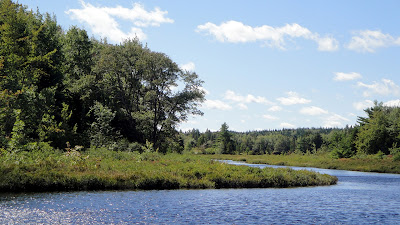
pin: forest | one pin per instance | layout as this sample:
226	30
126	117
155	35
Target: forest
78	113
61	88
378	133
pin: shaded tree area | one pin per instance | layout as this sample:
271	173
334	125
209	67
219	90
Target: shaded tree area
61	86
376	134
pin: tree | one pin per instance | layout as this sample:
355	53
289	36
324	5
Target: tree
61	87
373	135
282	144
30	69
225	141
102	133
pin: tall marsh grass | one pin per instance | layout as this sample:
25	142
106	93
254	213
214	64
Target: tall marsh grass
100	169
370	163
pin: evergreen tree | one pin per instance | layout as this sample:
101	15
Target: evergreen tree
225	142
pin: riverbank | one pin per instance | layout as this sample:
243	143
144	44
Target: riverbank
99	169
364	164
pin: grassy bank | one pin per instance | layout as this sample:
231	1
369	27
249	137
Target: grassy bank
104	170
365	164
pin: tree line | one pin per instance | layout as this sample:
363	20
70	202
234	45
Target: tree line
59	87
376	133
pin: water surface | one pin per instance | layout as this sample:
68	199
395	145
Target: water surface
358	198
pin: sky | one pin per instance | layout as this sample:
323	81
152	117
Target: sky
265	64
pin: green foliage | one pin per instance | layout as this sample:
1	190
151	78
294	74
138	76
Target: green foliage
300	140
101	132
395	152
43	169
148	147
18	139
70	88
380	130
225	142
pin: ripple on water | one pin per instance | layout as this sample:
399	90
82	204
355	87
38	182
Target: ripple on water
359	198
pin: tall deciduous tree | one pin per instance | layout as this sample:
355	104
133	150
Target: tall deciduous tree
57	87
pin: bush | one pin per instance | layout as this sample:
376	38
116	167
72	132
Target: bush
379	155
396	157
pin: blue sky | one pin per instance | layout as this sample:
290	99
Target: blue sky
265	64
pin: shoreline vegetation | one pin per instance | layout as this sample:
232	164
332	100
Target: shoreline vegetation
123	103
375	163
101	169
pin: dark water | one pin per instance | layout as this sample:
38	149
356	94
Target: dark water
358	198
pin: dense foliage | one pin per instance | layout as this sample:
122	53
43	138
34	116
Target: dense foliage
377	133
61	87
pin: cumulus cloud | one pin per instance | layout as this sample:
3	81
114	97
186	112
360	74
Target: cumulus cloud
216	104
243	100
102	20
190	66
292	99
385	87
236	32
327	44
334	120
339	76
313	111
269	117
275	108
370	40
392	103
363	105
287	125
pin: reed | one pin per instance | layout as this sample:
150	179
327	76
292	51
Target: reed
100	169
371	163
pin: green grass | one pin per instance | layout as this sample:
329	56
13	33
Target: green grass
361	163
99	169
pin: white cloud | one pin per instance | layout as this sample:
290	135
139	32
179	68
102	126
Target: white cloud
313	111
190	66
392	103
217	104
292	99
385	87
206	92
236	32
369	41
102	20
339	76
242	106
334	120
275	108
191	122
269	117
327	44
352	115
332	124
243	100
363	105
287	125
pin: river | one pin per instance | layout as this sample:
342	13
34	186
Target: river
358	198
